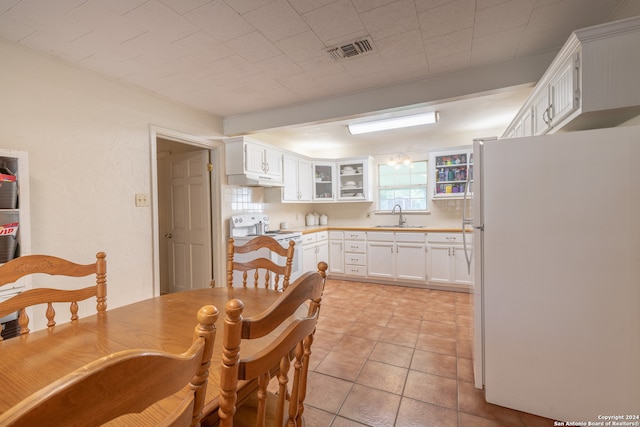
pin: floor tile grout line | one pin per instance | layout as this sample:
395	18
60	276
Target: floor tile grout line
459	311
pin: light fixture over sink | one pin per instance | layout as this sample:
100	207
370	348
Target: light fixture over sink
400	159
393	123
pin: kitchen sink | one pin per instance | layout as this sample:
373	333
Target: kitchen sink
399	226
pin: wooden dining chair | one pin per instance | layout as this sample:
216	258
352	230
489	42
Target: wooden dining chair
54	266
293	342
262	267
128	382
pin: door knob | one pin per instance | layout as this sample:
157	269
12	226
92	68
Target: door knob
168	236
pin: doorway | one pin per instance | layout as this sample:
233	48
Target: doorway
186	211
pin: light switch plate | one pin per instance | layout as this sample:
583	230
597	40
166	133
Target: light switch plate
142	200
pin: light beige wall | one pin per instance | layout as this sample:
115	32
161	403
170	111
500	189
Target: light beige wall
89	149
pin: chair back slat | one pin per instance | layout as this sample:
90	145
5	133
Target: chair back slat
53	266
126	382
293	341
263	271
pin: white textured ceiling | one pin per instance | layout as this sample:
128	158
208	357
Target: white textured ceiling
240	58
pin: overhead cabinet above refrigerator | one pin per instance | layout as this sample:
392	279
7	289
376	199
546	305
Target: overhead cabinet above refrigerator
592	83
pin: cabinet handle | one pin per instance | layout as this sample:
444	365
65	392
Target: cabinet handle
545	116
453	250
449	251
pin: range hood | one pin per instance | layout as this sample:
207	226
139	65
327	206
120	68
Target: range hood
252	163
252	180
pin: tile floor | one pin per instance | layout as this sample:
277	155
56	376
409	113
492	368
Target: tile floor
397	356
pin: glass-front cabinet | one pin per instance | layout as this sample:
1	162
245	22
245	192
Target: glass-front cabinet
449	172
353	180
324	181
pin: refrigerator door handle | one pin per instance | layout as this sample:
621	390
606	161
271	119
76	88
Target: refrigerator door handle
468	255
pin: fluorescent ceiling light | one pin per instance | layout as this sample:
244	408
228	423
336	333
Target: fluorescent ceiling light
393	123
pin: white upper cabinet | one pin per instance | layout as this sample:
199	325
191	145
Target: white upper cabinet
592	83
250	162
354	180
324	181
253	163
297	174
558	99
448	172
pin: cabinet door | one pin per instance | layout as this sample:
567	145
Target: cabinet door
352	180
380	259
309	258
324	181
322	253
540	106
336	256
411	261
254	158
562	89
459	271
290	174
527	123
305	178
273	163
439	263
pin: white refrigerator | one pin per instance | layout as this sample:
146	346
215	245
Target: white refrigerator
556	261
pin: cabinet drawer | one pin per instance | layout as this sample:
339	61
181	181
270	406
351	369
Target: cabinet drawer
337	235
380	236
355	246
355	270
308	238
322	235
355	259
355	235
411	237
451	238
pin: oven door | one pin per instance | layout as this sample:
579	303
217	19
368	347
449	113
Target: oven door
296	265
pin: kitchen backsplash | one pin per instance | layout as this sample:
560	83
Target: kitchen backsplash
443	213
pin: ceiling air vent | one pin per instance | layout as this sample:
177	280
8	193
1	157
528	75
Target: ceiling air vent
348	50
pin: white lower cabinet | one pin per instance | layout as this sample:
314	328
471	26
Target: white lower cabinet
411	262
409	257
315	248
397	256
336	252
446	261
381	256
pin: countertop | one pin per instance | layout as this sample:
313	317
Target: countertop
316	228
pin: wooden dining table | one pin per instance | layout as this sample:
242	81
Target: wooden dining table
30	362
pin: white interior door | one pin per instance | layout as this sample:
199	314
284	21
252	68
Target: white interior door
189	238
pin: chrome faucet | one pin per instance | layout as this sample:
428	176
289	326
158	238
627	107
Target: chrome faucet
401	221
